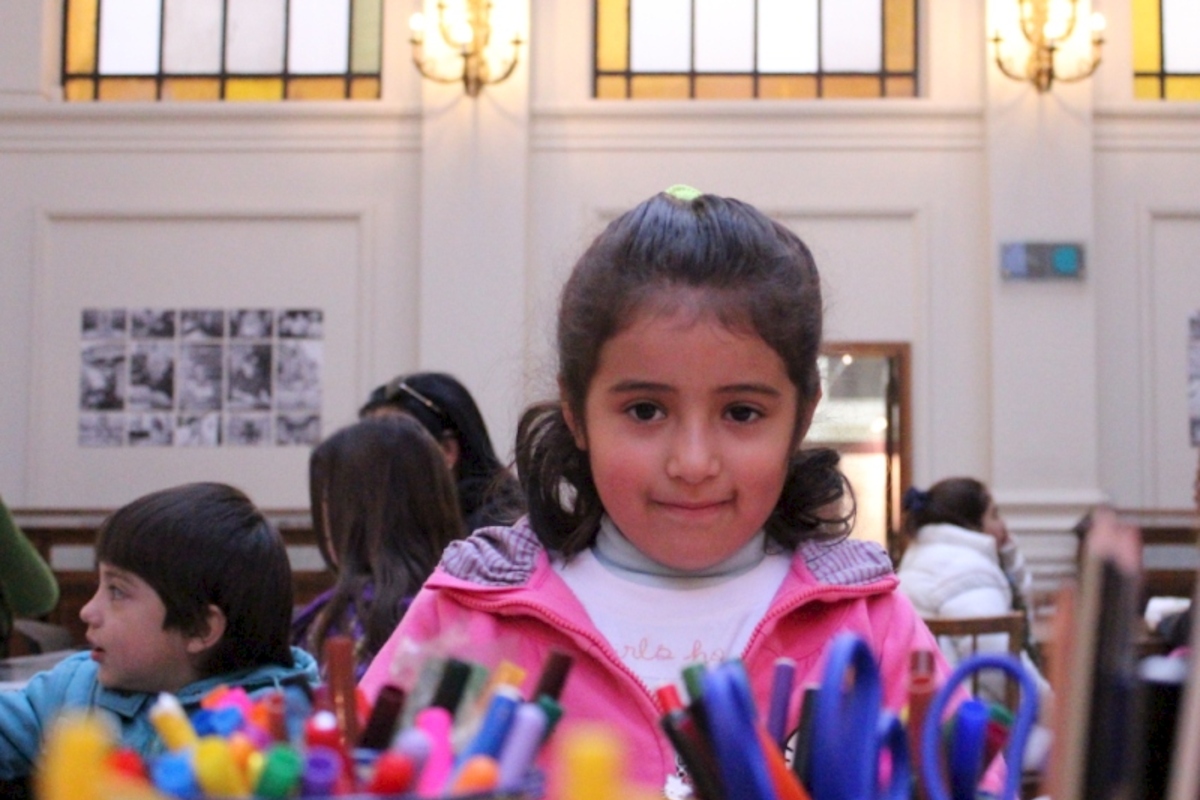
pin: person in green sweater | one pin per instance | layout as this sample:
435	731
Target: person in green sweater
27	584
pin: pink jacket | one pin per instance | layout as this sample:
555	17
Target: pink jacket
495	596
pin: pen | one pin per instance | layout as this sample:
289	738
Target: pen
281	772
395	772
339	663
449	692
171	773
781	696
322	766
802	754
922	683
216	771
76	746
495	726
695	753
479	773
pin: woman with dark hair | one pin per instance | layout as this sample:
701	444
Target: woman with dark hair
961	562
384	509
488	494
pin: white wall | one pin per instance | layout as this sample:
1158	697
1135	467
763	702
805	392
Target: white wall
441	227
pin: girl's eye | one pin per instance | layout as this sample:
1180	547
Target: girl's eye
643	412
743	413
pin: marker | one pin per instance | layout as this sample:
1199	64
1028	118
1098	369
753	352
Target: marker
695	753
496	723
668	698
281	772
479	773
450	688
967	740
521	746
127	762
171	773
322	767
395	773
168	718
414	743
781	696
591	762
435	722
339	663
385	716
554	713
275	708
76	747
693	680
554	675
786	784
216	771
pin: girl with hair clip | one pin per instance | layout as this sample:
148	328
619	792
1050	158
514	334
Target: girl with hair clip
960	561
674	518
487	493
384	509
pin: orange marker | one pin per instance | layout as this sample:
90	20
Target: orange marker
479	773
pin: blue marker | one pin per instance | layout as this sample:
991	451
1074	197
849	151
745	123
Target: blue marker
172	774
495	725
781	698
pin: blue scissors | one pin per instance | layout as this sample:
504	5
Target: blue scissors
962	749
851	729
732	721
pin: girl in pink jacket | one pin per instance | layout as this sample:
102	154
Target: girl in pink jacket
673	516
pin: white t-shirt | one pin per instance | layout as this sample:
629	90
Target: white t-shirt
660	623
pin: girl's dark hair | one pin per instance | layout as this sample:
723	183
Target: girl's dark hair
957	501
713	255
446	409
206	543
384	508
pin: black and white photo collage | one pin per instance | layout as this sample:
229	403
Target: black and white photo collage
200	377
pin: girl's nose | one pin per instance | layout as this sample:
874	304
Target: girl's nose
693	457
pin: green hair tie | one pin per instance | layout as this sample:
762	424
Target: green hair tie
681	191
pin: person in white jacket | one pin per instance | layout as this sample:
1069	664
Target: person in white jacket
960	561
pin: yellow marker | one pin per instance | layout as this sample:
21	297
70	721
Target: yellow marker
216	771
591	763
168	718
73	756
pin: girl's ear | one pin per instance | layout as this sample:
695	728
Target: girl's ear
573	424
806	417
214	629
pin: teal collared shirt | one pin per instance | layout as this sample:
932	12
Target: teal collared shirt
26	714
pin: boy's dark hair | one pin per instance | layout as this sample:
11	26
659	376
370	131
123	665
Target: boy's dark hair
444	406
384	508
955	501
207	543
731	261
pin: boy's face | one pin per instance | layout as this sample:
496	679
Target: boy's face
125	630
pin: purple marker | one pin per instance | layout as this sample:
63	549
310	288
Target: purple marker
414	743
521	746
781	698
321	769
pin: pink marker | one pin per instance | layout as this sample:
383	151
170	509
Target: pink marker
436	722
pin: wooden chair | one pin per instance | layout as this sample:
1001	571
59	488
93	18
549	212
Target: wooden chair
971	628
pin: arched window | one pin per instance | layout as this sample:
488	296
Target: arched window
742	49
222	49
1166	49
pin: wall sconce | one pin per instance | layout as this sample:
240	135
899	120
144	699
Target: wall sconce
1046	25
465	29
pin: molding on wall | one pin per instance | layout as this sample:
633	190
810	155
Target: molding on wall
763	125
1147	126
89	128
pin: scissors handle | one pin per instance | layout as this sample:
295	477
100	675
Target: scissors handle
894	739
733	725
845	744
1026	714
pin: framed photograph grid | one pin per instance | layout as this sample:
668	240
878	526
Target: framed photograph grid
200	377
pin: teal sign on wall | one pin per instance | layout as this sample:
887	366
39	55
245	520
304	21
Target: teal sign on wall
1041	261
